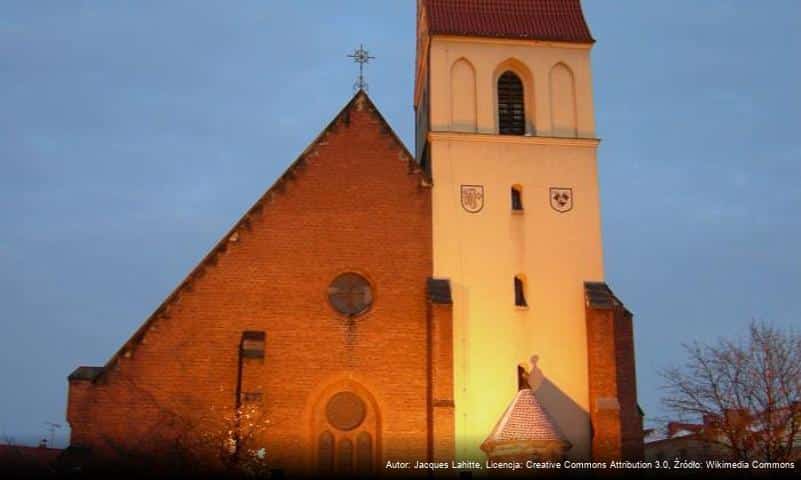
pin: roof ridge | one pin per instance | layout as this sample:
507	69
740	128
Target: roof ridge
547	20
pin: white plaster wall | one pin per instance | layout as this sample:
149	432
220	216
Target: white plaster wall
482	252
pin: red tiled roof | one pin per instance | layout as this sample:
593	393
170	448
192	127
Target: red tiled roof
526	420
554	20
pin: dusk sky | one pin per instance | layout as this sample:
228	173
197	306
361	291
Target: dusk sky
134	134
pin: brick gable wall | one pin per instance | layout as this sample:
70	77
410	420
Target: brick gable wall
351	203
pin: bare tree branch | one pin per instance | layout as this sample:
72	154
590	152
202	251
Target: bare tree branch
746	392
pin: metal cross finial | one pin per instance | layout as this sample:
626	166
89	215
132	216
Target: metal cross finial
361	56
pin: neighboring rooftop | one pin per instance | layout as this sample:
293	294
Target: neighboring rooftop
551	20
27	459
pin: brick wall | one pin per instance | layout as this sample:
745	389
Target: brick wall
351	202
442	426
614	414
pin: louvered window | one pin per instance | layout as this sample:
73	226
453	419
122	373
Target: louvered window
511	111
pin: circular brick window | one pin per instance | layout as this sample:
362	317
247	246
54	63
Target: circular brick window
350	294
345	411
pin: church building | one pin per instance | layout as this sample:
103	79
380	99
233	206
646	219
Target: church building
377	305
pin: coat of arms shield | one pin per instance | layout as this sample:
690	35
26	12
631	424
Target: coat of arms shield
561	199
473	198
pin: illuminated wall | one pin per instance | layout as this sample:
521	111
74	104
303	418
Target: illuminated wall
482	252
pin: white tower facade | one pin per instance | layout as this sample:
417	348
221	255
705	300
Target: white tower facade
505	127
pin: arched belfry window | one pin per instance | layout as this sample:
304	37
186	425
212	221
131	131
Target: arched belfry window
511	107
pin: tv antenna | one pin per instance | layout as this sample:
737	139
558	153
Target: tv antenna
52	427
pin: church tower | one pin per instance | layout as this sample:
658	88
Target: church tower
506	131
471	322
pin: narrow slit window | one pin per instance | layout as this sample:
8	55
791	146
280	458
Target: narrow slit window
511	111
517	199
520	294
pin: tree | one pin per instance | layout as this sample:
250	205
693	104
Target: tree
218	440
187	436
235	438
747	392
